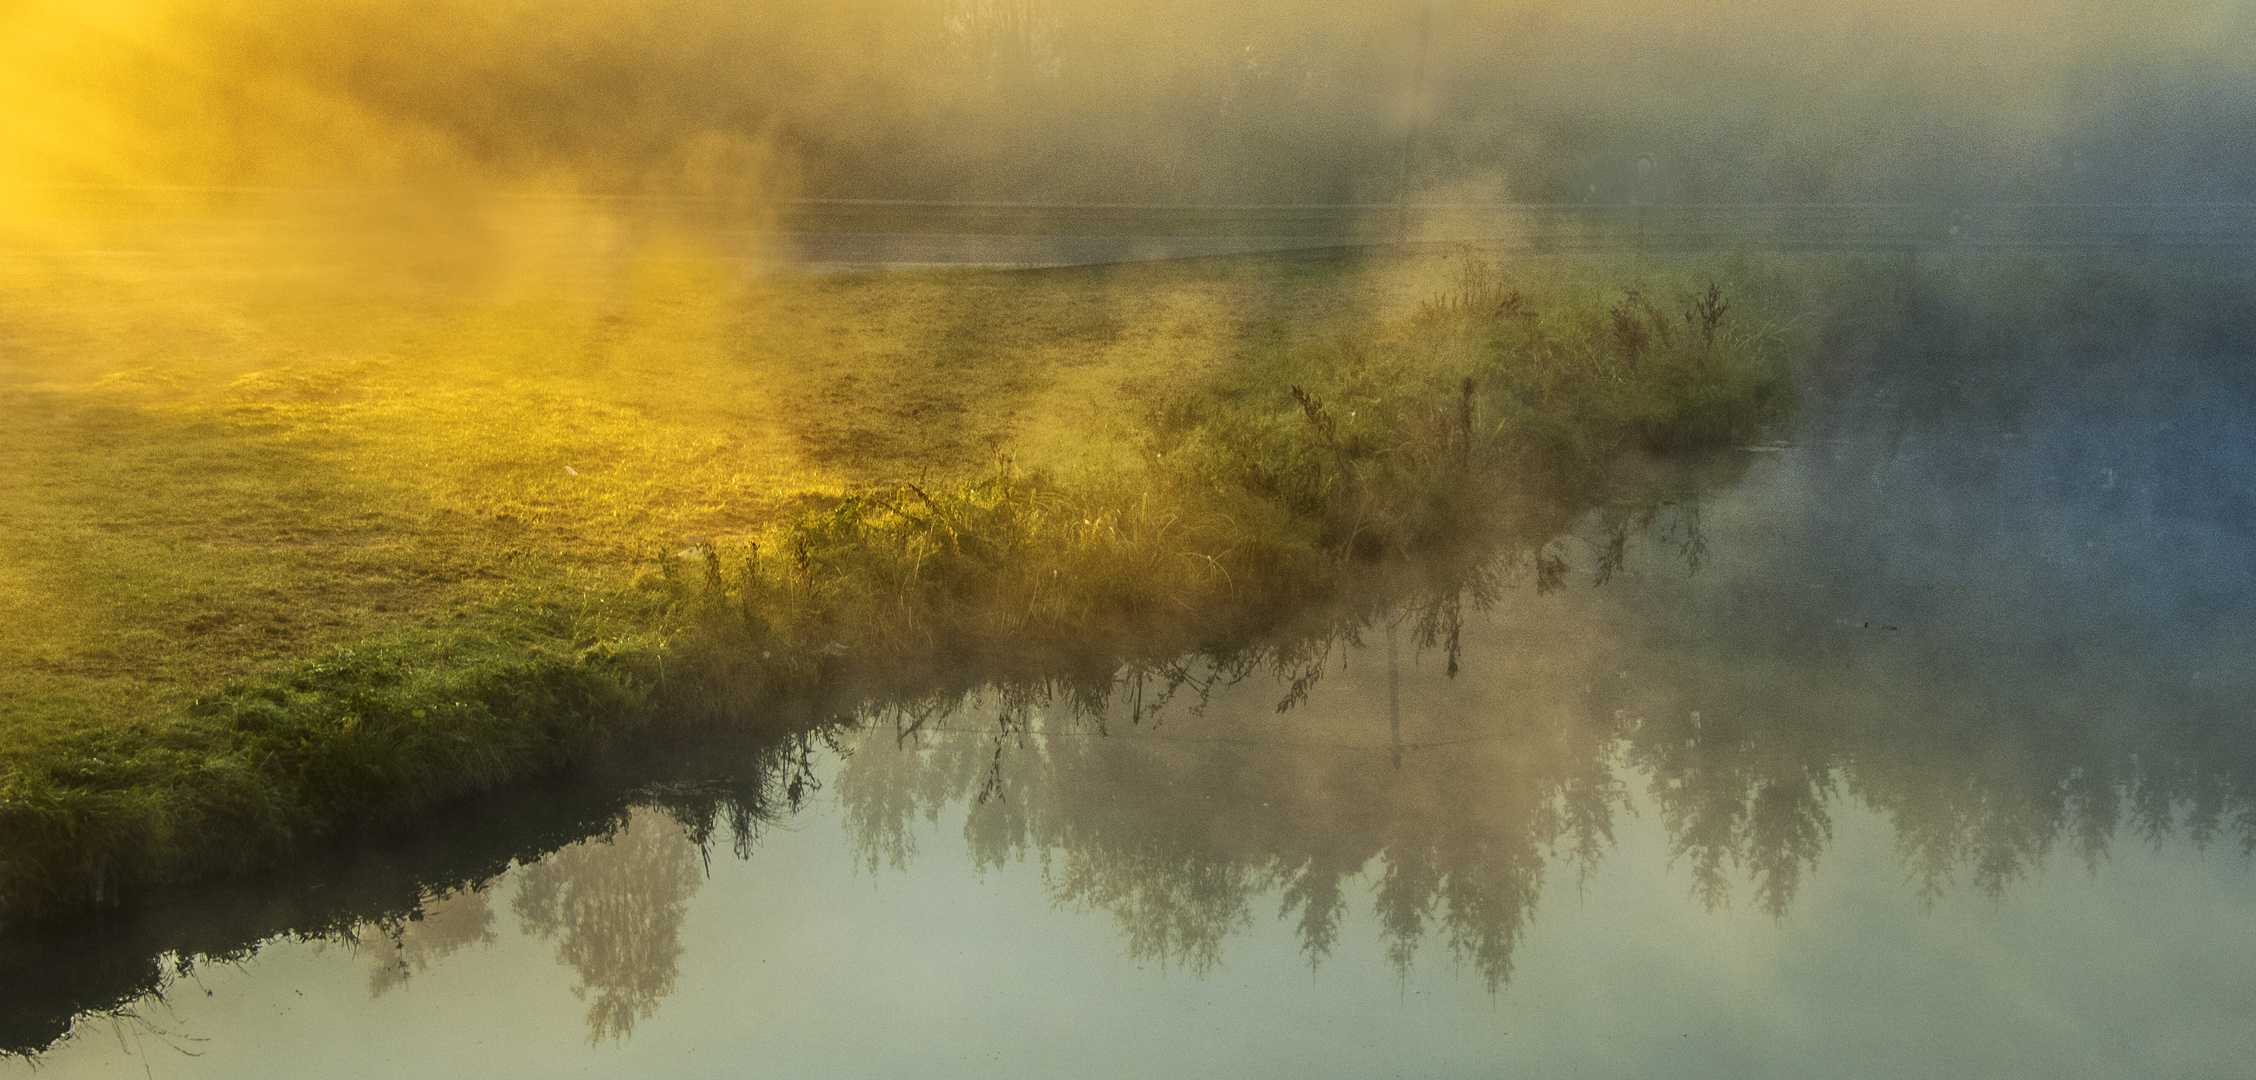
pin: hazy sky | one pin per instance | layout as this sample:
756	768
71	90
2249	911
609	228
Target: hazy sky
1152	100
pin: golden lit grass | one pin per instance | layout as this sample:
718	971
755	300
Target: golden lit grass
213	464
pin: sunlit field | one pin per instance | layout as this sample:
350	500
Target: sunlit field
211	471
467	487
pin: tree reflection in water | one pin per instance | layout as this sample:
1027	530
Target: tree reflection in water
442	927
614	904
1182	871
1178	824
1453	798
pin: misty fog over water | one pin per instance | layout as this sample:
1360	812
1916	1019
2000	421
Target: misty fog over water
1917	736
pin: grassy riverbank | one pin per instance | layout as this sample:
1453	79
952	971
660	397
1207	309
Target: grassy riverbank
288	553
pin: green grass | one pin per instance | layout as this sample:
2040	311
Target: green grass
288	552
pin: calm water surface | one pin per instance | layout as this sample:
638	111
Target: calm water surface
1922	746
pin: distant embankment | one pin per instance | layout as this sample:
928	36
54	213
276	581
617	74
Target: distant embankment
832	234
887	232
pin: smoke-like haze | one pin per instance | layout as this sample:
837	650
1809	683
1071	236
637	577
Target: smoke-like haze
1140	100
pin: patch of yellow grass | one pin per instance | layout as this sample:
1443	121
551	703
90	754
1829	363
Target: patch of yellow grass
222	451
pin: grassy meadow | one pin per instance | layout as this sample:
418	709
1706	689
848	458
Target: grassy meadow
296	541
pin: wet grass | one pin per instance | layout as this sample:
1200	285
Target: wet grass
285	559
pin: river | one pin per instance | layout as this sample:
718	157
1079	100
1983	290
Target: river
1917	743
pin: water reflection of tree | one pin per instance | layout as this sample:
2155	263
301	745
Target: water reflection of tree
1182	822
438	929
1177	828
614	904
1983	767
426	898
